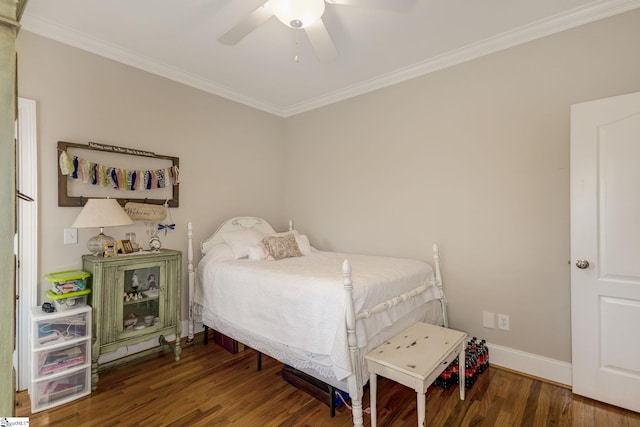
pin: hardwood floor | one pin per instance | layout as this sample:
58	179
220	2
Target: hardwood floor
211	387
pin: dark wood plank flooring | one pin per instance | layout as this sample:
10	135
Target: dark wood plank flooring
211	387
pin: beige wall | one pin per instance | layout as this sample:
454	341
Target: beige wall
230	155
475	157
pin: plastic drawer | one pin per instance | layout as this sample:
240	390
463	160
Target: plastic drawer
56	360
56	391
58	328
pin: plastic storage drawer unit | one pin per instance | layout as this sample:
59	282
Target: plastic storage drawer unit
60	356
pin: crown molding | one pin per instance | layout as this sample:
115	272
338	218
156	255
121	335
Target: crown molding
574	18
595	11
81	41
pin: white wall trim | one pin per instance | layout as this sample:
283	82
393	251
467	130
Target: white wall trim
583	15
515	360
555	24
530	364
134	59
149	344
27	274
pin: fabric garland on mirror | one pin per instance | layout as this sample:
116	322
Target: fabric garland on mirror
122	179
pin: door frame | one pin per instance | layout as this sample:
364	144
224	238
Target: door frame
27	236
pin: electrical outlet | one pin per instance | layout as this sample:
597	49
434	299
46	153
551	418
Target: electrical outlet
503	322
70	236
489	319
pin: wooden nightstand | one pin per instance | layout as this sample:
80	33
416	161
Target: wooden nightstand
415	358
135	298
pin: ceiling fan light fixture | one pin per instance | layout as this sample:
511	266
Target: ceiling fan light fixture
298	13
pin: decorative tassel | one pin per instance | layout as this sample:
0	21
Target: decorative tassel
66	164
105	176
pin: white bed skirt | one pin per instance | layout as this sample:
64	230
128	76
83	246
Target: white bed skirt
316	365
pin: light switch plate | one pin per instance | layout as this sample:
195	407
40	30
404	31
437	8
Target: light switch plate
70	236
489	319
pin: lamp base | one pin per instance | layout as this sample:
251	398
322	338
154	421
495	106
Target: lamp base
96	243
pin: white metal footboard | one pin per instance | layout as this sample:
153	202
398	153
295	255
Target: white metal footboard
355	380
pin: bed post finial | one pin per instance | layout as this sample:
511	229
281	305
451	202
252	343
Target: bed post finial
290	225
346	269
443	298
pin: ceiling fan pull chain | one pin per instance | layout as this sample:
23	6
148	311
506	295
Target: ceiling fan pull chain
297	59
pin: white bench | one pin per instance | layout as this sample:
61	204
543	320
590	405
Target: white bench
415	358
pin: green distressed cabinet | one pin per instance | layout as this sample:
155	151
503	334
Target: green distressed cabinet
135	298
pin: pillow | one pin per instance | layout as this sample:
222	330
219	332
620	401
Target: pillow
303	243
259	253
220	252
241	240
301	239
280	247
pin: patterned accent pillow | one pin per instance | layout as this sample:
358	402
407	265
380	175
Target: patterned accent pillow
280	247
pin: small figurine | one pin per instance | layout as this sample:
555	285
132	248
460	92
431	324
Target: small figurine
134	282
151	280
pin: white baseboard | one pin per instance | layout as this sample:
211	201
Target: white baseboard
516	360
530	364
145	345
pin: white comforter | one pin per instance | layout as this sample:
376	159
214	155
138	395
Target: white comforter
300	302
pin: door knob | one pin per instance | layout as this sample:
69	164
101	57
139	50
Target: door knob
582	263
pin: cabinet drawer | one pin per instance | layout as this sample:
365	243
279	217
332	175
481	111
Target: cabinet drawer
53	361
48	393
56	328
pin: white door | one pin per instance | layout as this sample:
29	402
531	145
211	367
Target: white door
605	233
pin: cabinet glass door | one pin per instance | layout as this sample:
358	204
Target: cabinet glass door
141	299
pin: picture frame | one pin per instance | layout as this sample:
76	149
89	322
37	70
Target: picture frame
110	249
73	194
126	247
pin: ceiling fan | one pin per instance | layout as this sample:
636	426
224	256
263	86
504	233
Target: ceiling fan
304	15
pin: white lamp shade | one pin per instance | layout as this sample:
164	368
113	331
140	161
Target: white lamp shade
298	13
101	213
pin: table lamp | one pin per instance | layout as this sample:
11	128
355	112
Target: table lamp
101	213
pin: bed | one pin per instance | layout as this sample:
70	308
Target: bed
317	311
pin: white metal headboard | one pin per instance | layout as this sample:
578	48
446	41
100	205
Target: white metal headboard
234	224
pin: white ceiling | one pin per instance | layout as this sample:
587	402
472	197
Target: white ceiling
377	48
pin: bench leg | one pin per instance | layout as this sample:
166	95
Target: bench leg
373	390
422	408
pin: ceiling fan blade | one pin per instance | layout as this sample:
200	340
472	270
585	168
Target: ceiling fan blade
321	41
397	5
247	25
